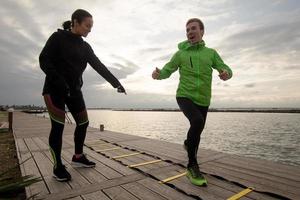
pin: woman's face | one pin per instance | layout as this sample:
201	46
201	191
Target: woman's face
84	28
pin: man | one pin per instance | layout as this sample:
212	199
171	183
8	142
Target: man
195	63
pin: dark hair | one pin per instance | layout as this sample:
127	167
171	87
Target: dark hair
79	15
201	25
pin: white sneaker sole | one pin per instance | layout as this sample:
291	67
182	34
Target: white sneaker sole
60	179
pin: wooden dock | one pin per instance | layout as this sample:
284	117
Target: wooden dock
122	171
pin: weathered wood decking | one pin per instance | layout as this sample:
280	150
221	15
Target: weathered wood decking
112	178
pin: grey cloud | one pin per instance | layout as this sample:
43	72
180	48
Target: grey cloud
20	80
164	58
272	39
20	19
150	50
250	85
292	67
124	68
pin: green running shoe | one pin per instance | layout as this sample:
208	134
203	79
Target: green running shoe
195	176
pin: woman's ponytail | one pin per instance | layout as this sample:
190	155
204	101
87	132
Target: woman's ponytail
67	25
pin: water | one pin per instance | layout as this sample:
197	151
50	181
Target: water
271	136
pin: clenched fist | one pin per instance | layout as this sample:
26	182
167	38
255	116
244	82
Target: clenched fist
155	73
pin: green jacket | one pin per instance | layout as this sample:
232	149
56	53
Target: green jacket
195	63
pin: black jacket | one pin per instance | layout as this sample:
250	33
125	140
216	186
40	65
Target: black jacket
64	58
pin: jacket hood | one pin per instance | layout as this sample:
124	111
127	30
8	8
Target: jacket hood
69	34
186	45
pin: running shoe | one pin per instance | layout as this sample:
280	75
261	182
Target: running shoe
82	161
195	176
61	174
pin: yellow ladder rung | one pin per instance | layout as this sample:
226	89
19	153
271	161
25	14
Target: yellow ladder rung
125	155
241	194
145	163
172	178
110	149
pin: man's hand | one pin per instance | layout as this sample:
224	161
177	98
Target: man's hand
223	74
155	73
121	89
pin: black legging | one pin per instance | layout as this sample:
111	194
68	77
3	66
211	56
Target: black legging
56	108
197	116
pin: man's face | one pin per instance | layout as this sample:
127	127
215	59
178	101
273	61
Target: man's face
193	32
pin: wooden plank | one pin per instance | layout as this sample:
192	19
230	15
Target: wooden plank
210	192
95	196
235	189
77	179
104	169
264	176
40	143
46	169
119	193
30	144
92	175
246	180
261	166
266	164
163	190
117	137
93	187
22	148
110	163
206	193
30	168
142	192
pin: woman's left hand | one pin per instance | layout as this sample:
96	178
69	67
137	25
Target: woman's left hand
121	89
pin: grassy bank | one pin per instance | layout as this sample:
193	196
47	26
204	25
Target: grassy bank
9	159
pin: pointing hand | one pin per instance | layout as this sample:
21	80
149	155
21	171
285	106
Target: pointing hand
121	89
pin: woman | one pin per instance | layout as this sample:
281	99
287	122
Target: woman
63	59
195	62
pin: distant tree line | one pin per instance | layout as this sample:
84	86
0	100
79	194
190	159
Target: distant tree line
22	107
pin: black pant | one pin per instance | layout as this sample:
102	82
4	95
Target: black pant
56	108
197	116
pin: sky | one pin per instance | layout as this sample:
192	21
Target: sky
259	40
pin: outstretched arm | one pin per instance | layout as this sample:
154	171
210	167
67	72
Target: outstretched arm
99	67
168	69
225	72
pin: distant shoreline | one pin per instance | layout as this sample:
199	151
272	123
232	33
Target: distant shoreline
247	110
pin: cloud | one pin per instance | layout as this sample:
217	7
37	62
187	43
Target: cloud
250	85
259	40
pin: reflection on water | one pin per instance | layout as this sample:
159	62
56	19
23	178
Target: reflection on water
272	136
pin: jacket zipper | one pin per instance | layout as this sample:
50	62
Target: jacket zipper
191	62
